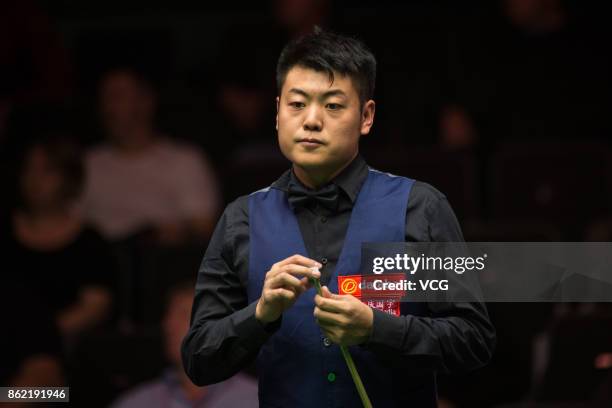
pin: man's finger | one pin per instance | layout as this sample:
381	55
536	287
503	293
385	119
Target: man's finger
328	319
306	282
330	305
299	270
287	281
327	294
282	294
299	260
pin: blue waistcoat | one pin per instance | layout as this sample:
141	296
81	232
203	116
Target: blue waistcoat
296	368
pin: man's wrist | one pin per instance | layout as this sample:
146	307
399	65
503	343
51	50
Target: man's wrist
258	313
252	333
265	322
369	327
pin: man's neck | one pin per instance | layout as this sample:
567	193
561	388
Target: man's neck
316	178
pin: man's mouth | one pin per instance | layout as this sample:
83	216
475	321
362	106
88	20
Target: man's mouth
310	141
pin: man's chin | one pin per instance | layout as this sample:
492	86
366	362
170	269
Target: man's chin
309	160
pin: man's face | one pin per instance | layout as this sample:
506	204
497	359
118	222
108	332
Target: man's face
319	123
41	180
125	104
176	324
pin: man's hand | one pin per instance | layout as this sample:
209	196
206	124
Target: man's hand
345	320
282	286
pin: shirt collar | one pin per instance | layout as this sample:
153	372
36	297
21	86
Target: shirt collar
352	177
349	180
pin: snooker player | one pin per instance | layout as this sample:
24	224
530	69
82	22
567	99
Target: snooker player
253	298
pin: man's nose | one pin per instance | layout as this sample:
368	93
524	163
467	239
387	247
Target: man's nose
313	120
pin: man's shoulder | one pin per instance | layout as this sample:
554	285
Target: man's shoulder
427	191
238	208
429	201
240	205
420	189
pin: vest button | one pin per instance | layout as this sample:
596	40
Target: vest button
331	377
323	220
324	261
327	342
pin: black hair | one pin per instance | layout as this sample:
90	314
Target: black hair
65	155
329	52
140	76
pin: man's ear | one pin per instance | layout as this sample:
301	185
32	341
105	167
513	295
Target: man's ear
277	106
367	116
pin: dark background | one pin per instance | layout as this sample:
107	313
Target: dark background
508	117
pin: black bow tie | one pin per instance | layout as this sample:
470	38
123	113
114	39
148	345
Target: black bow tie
300	196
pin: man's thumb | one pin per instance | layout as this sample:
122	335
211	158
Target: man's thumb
327	293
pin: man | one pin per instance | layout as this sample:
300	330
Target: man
173	388
141	179
253	297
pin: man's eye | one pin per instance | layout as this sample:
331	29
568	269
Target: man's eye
297	105
334	106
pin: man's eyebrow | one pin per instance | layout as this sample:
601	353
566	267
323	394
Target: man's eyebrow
299	92
333	92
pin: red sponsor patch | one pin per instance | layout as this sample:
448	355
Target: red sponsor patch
350	285
361	287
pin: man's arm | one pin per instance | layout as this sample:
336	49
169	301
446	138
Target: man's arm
224	336
456	337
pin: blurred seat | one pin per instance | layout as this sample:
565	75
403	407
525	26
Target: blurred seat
559	182
575	342
161	268
453	173
508	376
609	180
104	365
149	49
147	270
478	230
253	168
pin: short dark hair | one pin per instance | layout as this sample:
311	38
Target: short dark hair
329	52
65	155
139	76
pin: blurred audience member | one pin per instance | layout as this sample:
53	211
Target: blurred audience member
246	85
174	388
457	132
141	179
603	396
30	348
34	66
5	111
536	16
533	72
47	247
298	17
599	230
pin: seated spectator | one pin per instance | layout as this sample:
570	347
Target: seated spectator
30	348
140	179
456	129
173	388
245	98
61	261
